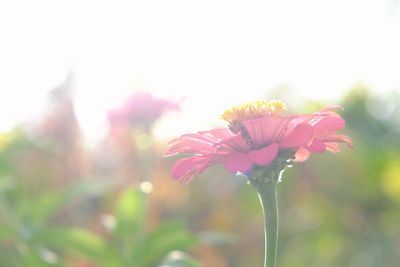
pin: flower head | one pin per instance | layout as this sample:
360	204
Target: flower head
141	108
259	134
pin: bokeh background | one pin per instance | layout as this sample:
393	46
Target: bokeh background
92	91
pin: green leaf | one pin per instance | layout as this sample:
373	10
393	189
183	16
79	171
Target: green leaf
84	243
30	256
47	204
130	212
166	238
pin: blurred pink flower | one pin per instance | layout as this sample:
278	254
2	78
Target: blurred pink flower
258	134
141	108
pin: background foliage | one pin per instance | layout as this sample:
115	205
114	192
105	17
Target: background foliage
62	204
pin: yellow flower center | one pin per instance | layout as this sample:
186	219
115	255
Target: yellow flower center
253	109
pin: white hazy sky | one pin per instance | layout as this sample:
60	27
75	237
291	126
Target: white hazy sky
213	52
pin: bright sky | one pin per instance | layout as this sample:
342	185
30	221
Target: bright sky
215	53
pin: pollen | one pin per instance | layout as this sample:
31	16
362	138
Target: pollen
253	109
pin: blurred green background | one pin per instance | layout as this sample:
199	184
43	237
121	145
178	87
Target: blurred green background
115	204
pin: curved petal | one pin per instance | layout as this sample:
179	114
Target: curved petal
186	168
330	137
332	147
301	155
317	146
303	118
265	155
238	162
329	124
183	166
197	143
193	146
300	136
221	133
236	143
266	130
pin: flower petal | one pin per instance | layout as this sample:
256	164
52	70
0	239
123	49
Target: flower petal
265	155
266	130
329	124
329	137
332	147
237	162
235	142
193	146
221	133
197	143
317	146
183	166
185	169
301	155
300	136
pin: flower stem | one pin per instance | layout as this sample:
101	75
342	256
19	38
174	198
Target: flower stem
268	199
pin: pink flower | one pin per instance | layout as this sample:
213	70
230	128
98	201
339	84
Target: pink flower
142	108
258	134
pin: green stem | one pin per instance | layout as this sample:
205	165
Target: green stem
267	194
